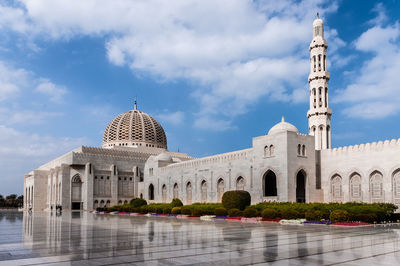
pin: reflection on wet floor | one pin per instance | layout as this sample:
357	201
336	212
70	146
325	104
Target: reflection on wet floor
85	238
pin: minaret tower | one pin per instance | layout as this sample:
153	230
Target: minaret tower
319	115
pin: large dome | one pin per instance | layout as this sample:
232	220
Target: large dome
134	129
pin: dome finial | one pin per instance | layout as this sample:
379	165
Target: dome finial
283	119
135	104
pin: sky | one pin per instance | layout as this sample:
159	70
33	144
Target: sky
215	74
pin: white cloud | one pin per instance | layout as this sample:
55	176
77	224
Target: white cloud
375	92
11	81
174	118
54	92
20	152
236	51
16	116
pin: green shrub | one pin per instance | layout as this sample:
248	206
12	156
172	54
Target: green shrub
176	202
314	215
239	199
339	216
290	214
221	211
186	210
197	211
269	214
176	210
167	210
250	212
138	202
363	217
235	213
144	209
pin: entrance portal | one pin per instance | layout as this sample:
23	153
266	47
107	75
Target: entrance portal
301	186
76	187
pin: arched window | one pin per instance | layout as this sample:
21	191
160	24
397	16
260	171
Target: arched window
324	63
203	191
76	197
396	186
240	183
320	97
151	192
328	129
315	64
119	202
220	189
102	205
125	202
108	203
269	184
271	150
326	97
299	149
376	186
266	151
355	187
336	188
319	62
303	150
95	204
320	135
189	193
176	191
164	193
315	98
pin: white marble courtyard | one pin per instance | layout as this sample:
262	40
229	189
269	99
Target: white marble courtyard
83	238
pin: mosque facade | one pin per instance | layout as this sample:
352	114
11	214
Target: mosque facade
283	165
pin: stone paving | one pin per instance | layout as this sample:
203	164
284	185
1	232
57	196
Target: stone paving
89	239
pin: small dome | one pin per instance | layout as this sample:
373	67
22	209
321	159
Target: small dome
164	157
283	127
134	129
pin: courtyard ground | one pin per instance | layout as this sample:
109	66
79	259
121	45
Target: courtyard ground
89	239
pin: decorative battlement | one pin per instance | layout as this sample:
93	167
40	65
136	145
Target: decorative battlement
373	146
224	157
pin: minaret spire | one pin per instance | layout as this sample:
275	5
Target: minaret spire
135	104
319	114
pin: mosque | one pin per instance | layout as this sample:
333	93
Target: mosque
282	165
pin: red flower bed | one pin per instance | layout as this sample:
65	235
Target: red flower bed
162	215
352	223
271	220
234	218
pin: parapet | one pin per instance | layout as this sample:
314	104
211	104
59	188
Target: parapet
365	147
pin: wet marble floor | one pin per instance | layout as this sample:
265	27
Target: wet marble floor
88	239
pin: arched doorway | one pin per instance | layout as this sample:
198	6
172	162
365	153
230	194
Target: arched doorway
176	191
301	186
240	183
269	184
203	191
164	193
189	193
151	192
76	193
220	189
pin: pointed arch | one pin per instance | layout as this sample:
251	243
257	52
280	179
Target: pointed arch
203	187
176	191
270	184
164	193
301	177
188	193
336	188
220	189
151	192
396	186
376	186
355	187
240	183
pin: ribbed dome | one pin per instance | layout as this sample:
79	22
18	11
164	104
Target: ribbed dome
282	127
134	129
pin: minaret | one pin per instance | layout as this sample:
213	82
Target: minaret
319	115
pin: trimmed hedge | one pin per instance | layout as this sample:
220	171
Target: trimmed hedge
221	211
176	203
138	202
269	214
239	199
186	210
176	210
250	212
339	216
290	214
235	213
314	215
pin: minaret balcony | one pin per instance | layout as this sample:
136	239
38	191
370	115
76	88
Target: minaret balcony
319	75
319	111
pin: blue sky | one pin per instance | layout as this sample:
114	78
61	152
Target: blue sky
214	73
